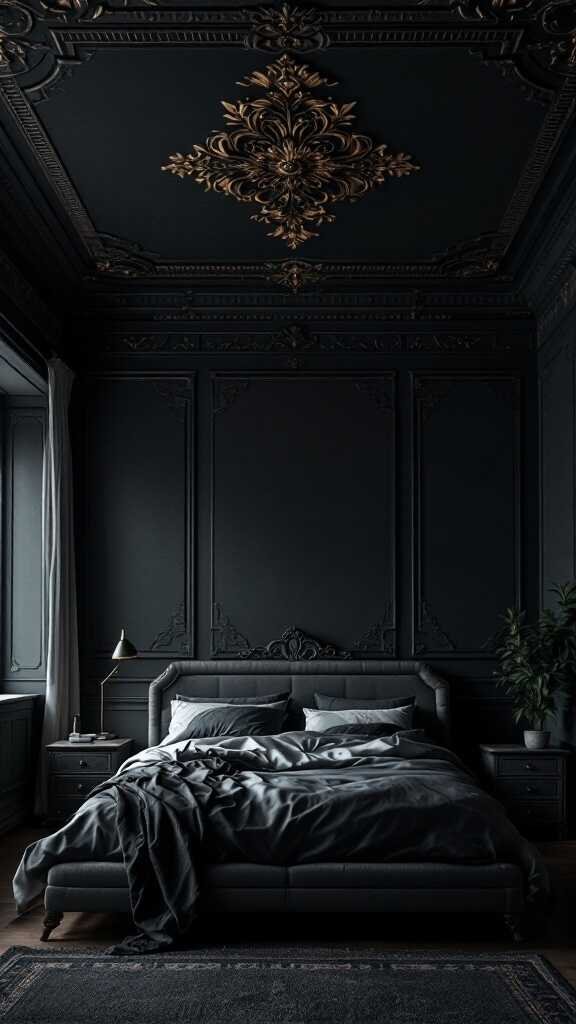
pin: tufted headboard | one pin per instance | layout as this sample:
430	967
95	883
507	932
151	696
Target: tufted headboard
362	679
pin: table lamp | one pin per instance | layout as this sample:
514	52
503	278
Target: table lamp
123	651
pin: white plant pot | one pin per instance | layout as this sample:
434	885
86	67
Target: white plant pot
536	739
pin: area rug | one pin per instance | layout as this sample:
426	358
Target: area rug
313	987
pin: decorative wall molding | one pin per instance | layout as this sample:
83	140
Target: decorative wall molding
380	638
176	634
379	393
294	645
227	393
429	633
429	393
226	639
178	394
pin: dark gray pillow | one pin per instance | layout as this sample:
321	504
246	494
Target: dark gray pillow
263	698
325	703
195	721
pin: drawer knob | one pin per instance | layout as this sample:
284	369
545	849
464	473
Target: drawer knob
80	787
83	764
529	789
528	766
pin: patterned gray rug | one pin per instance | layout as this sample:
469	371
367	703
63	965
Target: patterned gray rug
310	987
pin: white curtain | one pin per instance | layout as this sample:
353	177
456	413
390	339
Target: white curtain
62	668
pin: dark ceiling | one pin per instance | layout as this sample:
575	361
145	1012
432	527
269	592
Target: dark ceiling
96	94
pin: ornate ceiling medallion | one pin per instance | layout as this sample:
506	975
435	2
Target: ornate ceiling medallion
291	153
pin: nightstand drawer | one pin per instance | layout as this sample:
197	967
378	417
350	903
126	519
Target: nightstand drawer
529	766
84	760
76	786
528	788
539	811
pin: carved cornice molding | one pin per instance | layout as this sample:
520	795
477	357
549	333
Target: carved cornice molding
538	37
287	28
295	339
560	306
188	305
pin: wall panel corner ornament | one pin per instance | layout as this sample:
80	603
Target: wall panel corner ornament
294	645
227	392
226	639
380	638
176	635
291	153
429	635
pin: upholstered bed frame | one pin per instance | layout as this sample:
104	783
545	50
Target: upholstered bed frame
331	887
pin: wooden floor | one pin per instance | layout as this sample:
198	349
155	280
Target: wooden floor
450	932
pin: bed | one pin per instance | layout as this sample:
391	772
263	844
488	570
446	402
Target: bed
500	883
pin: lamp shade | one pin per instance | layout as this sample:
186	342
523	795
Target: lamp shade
124	650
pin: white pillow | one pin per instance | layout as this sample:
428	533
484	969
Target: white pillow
319	721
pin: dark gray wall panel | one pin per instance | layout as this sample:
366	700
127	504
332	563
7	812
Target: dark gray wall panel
467	485
19	741
24	594
137	550
303	509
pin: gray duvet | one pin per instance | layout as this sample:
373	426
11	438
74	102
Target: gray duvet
298	797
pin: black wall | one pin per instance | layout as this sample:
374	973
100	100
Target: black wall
557	382
386	504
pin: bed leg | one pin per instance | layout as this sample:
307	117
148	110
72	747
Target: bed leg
513	923
51	921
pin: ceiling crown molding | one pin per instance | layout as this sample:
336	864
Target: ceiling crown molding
42	40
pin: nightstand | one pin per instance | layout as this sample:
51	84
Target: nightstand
531	784
76	768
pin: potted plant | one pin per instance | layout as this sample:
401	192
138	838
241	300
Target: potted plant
537	660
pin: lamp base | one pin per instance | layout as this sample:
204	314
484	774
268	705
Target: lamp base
106	736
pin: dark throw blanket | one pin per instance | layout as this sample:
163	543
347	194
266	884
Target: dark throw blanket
295	798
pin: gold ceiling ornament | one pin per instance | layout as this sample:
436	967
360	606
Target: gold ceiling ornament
290	152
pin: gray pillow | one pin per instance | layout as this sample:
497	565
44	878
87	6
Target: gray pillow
192	720
325	703
320	721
